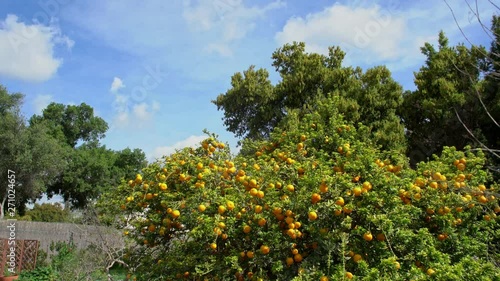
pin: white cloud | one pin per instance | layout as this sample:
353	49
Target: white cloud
141	111
27	51
136	115
222	49
191	141
155	106
226	20
41	102
116	85
371	30
159	32
374	34
121	120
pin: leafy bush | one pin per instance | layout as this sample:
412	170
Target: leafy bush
318	201
45	273
47	212
41	259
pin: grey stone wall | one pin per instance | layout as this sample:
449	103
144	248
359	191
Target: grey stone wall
46	233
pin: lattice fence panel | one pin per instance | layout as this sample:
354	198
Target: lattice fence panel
26	252
30	252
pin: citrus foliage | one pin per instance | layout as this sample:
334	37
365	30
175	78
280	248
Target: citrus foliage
317	201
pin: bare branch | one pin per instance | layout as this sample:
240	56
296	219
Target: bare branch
477	94
474	137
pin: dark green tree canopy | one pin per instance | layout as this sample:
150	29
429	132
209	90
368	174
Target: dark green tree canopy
47	212
93	169
253	107
30	152
446	109
72	123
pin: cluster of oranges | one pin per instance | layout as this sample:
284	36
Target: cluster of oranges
275	211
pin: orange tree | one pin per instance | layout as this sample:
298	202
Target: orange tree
317	201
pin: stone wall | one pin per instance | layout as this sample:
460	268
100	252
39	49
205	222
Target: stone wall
46	233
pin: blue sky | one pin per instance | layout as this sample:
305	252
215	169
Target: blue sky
151	68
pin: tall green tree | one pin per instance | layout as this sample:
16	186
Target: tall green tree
129	162
92	168
29	152
490	113
446	109
253	106
89	172
72	123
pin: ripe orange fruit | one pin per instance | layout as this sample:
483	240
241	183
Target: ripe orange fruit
323	187
213	246
253	183
152	228
312	215
289	261
202	208
297	258
247	229
340	201
357	258
300	146
221	209
367	185
349	275
264	249
397	265
260	194
315	198
258	209
290	188
357	191
175	214
250	254
368	236
254	192
380	237
482	199
262	222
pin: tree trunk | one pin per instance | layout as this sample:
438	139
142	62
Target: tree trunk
2	215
